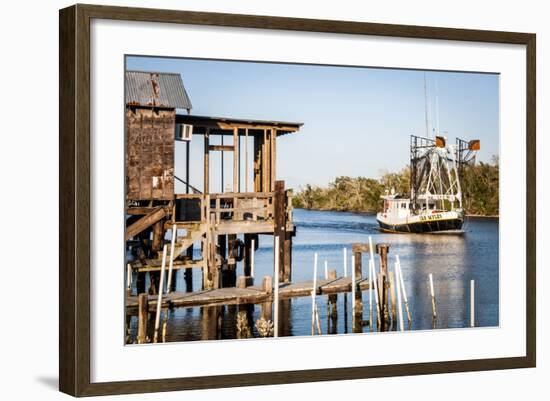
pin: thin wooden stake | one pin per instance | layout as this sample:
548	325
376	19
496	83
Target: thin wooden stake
313	293
326	270
434	311
171	264
399	309
276	292
353	289
159	298
129	277
318	321
472	304
374	281
402	283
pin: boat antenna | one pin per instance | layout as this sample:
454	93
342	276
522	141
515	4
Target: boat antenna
426	106
437	107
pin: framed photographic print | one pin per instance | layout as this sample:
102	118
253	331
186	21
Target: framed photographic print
261	200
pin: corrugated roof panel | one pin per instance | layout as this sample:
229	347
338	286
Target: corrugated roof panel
156	88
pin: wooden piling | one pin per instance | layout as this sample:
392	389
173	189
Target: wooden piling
188	273
231	272
472	304
143	317
383	250
287	264
279	221
247	262
392	293
267	307
332	302
252	251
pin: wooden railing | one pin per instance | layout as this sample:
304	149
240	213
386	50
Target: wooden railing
248	206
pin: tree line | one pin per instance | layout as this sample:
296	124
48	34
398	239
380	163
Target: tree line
479	183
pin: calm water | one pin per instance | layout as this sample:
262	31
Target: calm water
453	260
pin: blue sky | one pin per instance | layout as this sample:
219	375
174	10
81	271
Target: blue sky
357	121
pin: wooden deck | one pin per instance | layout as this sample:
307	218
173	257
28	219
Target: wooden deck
253	294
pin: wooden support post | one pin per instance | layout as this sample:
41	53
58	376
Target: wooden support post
206	185
258	159
392	293
267	284
187	165
253	245
280	222
236	172
246	175
357	265
247	262
287	268
188	273
231	273
143	317
273	158
332	303
382	250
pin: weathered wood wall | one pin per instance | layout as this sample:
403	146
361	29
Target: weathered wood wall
150	153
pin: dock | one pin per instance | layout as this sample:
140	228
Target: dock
248	295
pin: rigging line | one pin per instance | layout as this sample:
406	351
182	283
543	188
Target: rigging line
426	107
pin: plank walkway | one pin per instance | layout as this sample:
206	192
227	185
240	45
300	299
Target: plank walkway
252	294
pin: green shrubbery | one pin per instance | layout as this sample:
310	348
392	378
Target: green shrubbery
480	185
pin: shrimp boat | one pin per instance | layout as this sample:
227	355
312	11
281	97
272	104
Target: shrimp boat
435	202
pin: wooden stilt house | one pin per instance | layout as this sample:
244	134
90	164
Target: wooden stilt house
224	223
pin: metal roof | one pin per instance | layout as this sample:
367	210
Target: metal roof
283	126
163	89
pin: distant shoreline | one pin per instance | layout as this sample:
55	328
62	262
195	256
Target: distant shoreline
481	216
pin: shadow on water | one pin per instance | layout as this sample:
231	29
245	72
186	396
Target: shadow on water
453	260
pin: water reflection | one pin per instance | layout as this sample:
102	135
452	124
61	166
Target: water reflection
453	261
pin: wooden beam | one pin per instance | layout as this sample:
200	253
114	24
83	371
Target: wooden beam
145	222
220	148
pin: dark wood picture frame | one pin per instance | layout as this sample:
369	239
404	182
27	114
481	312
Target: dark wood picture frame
74	199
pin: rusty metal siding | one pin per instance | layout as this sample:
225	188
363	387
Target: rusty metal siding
156	89
150	154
